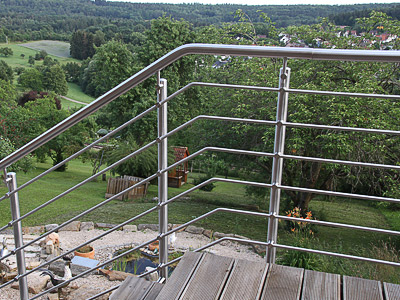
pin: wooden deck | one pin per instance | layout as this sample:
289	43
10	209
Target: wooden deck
204	276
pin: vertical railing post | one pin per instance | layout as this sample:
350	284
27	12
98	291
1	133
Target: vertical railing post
14	203
279	144
162	177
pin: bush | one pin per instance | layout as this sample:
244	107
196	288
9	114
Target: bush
209	187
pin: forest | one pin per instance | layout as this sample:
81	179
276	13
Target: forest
55	20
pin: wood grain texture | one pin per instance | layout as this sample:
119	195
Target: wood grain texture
283	283
133	288
244	280
392	291
180	277
153	291
208	279
320	286
361	289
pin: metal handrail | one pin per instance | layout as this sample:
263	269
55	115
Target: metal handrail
211	49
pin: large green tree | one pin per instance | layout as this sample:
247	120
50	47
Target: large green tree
6	72
314	109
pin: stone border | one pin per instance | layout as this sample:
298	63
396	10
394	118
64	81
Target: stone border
84	226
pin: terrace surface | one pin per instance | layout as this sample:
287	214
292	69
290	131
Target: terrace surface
203	276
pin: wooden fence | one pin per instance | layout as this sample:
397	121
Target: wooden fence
117	185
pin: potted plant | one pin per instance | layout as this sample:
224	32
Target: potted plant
85	251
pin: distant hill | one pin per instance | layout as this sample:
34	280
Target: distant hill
57	19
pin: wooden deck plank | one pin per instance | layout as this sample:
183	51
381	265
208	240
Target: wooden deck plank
133	288
392	291
153	291
361	289
283	283
181	275
320	286
208	279
244	280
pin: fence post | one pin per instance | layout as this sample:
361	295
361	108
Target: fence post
279	144
162	178
14	203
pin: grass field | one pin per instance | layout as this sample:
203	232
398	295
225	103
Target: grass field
75	92
224	195
56	48
17	61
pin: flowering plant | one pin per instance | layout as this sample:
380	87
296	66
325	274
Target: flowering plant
299	226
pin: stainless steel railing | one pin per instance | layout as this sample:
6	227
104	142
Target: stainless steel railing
277	155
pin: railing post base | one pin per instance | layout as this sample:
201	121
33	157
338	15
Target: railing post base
18	238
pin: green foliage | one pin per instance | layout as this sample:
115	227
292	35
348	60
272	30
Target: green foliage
25	164
54	80
6	51
31	79
111	65
6	72
72	72
50	20
8	94
142	165
50	77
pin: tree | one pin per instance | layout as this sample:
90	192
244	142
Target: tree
72	71
54	80
314	109
31	79
7	94
6	72
46	115
25	164
6	51
111	65
31	60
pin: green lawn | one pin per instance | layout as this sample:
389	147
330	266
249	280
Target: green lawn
16	60
224	195
75	92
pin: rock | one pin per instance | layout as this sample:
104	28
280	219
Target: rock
153	227
104	225
130	228
52	296
50	227
177	225
259	249
73	226
114	275
208	233
219	235
57	268
194	229
86	291
49	247
33	264
33	230
36	282
152	276
87	226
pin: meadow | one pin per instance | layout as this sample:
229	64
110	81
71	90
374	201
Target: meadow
56	50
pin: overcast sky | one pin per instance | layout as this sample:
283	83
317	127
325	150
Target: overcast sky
266	2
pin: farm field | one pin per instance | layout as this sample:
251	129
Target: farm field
56	48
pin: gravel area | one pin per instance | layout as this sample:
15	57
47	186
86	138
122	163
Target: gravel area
106	246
